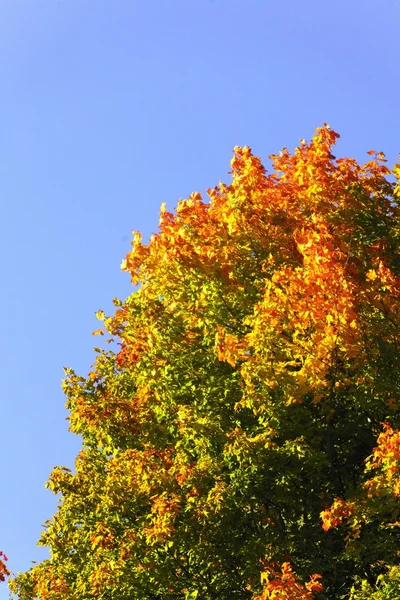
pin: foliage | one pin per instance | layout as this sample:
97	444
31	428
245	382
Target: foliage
4	572
232	441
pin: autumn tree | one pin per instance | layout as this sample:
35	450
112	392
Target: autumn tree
241	432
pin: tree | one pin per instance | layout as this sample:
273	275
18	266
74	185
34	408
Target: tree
241	433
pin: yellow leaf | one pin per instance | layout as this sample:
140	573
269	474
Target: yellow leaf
264	577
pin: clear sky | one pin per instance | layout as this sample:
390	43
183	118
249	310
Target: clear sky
107	109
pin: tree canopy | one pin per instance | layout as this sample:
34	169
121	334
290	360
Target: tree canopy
241	431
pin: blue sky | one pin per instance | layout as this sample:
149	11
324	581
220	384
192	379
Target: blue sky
107	109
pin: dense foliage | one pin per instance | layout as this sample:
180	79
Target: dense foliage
242	440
